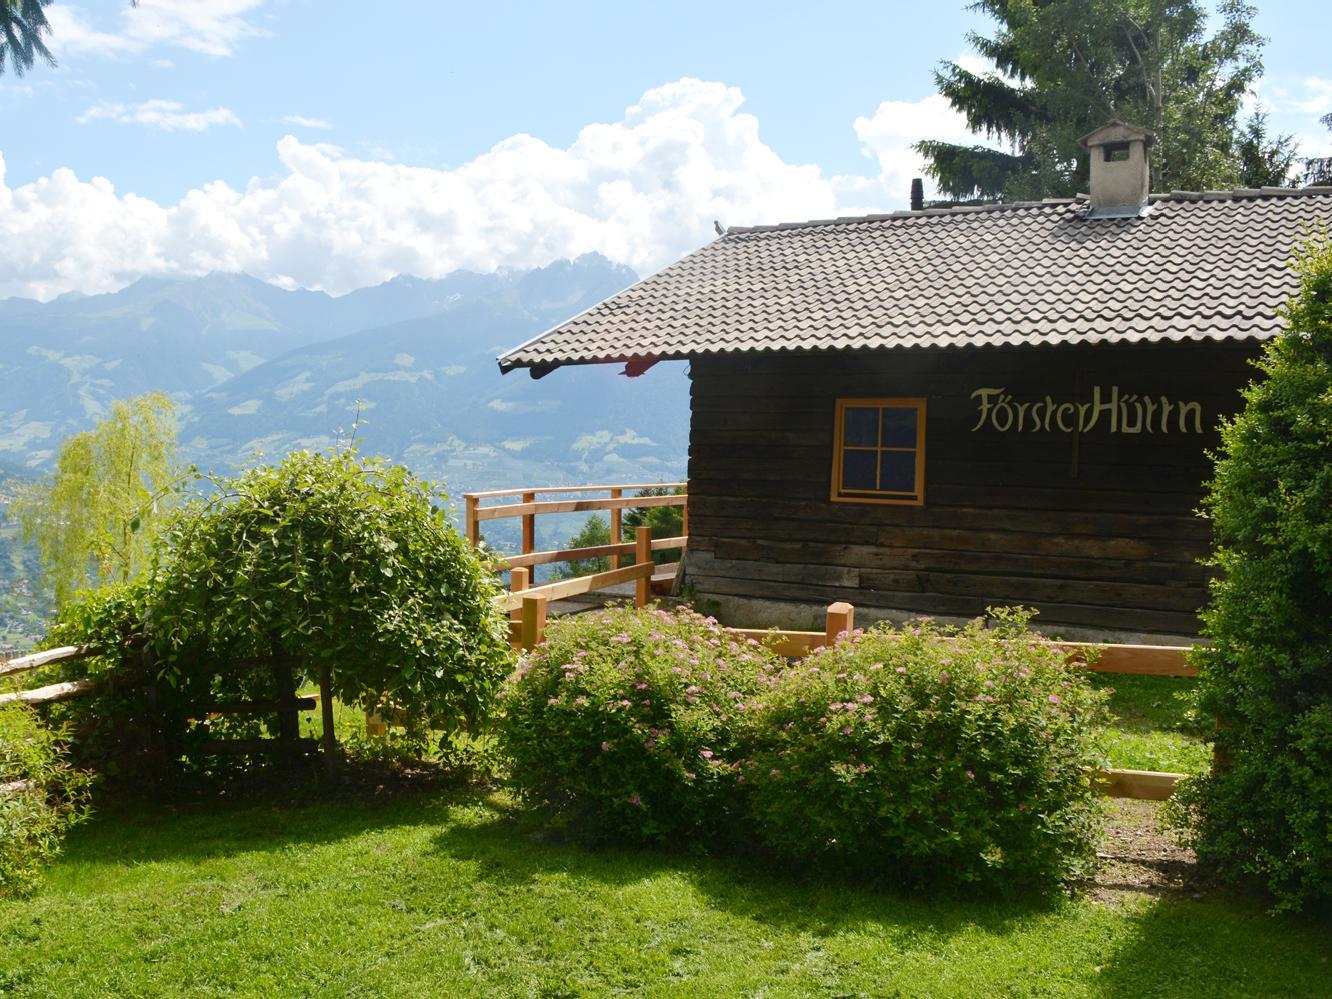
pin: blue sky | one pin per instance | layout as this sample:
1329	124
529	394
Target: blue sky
304	143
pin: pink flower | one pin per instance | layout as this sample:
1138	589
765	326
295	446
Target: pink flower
864	698
971	775
846	731
1054	699
636	801
622	638
901	669
706	754
605	747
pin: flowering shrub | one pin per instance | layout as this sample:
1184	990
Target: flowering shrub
925	758
622	723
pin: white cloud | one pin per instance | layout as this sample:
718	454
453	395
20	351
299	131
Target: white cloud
642	190
301	121
888	134
211	27
169	116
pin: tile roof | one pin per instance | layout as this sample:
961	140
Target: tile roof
1198	266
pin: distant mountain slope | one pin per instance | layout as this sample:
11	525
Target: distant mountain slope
260	369
430	395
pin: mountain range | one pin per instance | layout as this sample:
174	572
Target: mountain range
257	370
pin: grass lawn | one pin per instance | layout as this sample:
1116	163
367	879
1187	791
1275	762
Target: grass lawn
446	893
1148	727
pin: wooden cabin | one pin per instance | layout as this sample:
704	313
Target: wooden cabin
934	412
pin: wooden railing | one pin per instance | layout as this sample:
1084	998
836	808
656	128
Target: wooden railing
640	571
1139	660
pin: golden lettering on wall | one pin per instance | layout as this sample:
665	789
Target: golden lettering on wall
1118	412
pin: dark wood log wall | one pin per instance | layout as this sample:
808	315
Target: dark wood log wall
1096	530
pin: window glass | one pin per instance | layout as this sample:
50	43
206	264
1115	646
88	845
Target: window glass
861	427
899	427
897	471
859	470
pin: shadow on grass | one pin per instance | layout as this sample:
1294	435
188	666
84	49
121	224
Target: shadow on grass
508	849
131	829
1148	704
1222	945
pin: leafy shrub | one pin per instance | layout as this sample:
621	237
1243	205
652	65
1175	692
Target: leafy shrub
41	796
327	561
622	723
1266	811
918	758
118	729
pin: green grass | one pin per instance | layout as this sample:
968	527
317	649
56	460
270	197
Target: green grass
1149	728
445	894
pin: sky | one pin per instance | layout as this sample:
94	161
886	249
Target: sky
314	146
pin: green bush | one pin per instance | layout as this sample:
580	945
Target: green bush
622	724
920	759
329	561
1266	811
41	796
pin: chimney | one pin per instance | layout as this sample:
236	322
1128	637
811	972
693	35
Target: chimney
1120	173
917	194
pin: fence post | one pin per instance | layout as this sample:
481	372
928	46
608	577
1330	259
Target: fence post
529	526
684	517
374	723
534	622
616	536
643	553
471	525
841	618
518	581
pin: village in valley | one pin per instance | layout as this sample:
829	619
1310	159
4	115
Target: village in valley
593	503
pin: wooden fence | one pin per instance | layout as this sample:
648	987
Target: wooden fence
287	706
530	507
1139	660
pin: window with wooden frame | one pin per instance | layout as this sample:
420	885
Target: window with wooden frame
879	451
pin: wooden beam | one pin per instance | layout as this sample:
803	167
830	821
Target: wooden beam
616	528
494	493
841	619
643	557
1140	660
591	551
471	505
44	658
529	525
259	707
792	644
571	587
534	622
575	506
246	747
1146	785
565	555
51	694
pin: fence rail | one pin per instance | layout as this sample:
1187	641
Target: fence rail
531	506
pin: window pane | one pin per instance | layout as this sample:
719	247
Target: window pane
899	427
897	471
858	469
860	427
